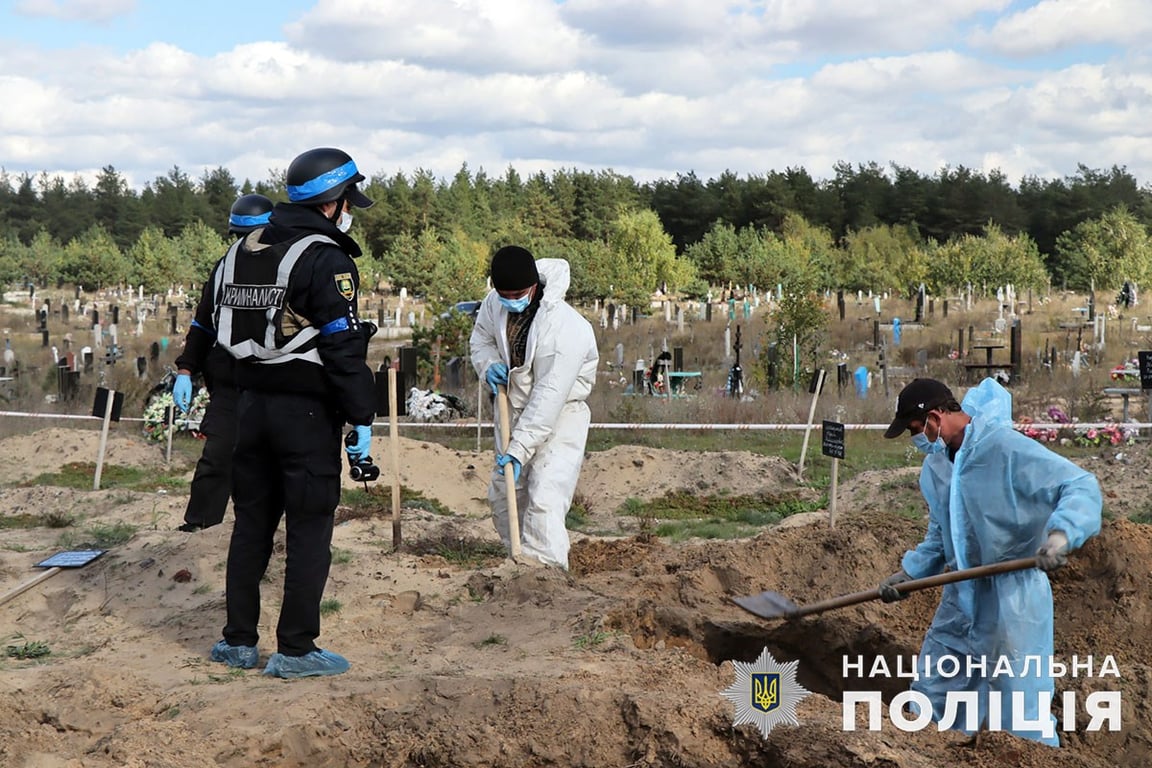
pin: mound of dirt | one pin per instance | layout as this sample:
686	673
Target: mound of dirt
456	662
47	450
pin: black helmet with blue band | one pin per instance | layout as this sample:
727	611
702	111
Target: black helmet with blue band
249	212
323	175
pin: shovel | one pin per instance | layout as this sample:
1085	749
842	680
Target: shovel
509	473
773	605
77	558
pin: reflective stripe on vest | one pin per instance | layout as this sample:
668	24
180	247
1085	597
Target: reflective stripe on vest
274	296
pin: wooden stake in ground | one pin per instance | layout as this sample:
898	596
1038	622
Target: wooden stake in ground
832	445
818	384
394	440
170	412
509	473
479	403
103	440
832	498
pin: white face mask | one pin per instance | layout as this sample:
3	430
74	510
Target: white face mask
345	222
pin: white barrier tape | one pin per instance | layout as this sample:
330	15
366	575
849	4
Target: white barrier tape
632	426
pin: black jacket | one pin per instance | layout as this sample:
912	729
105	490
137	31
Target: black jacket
322	289
200	353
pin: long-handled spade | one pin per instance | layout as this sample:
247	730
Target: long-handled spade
509	472
773	605
76	558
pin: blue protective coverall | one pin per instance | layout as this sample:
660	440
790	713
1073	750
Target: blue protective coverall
997	500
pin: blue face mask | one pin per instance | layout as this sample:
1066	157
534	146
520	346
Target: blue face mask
922	444
516	306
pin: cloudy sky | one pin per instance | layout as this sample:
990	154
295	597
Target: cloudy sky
649	88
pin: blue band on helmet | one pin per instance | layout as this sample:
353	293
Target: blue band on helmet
249	221
322	183
204	328
337	325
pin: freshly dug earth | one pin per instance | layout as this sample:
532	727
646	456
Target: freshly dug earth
459	660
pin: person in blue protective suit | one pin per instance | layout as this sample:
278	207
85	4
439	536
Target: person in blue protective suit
211	485
529	339
993	495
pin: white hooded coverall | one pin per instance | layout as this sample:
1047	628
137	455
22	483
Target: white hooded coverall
549	416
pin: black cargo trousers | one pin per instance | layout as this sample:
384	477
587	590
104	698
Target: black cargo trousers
287	464
212	481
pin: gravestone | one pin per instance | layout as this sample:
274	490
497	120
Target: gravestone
454	373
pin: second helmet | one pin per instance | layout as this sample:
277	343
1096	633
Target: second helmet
249	212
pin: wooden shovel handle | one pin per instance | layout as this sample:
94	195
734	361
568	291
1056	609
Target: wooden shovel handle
509	471
915	585
21	589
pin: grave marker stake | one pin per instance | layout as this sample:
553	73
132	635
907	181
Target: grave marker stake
103	440
394	438
832	444
817	385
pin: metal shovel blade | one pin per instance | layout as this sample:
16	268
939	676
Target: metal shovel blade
768	605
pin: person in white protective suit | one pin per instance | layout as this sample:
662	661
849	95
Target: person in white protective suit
528	338
993	495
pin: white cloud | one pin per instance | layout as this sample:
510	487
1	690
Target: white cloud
650	23
937	72
1052	25
76	10
867	25
650	87
458	35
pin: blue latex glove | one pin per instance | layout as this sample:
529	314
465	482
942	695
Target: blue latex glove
503	459
182	392
359	449
497	374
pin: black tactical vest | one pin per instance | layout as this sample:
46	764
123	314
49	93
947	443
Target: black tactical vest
250	291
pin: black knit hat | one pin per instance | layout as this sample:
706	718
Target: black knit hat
915	401
514	269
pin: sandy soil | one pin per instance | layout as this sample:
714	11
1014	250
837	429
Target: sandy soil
619	663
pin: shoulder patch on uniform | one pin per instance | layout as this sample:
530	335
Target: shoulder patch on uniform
345	286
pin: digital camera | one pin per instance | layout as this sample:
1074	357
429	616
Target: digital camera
362	469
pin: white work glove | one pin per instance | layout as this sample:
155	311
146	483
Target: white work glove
888	592
1054	553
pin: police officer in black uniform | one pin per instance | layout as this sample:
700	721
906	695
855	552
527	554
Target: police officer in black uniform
285	301
212	482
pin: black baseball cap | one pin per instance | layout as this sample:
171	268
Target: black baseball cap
915	401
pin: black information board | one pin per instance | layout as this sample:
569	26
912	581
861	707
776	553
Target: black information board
832	439
1145	360
101	403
